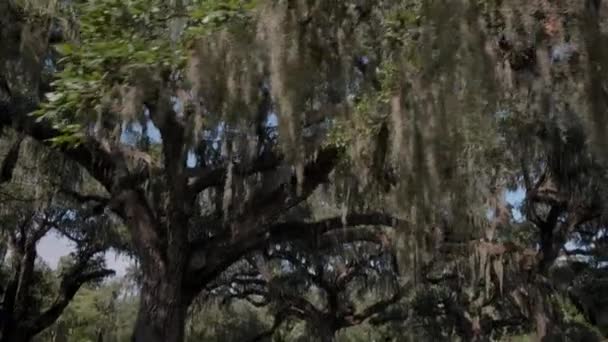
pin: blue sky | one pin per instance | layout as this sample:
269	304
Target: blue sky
52	247
514	198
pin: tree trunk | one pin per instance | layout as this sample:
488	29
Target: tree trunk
549	251
325	330
162	251
99	335
162	310
17	334
327	335
61	333
11	328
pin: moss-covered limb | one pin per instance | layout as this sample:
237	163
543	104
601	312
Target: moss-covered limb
31	302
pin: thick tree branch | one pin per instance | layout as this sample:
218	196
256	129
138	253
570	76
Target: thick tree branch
250	230
10	161
336	225
7	196
80	273
219	254
100	163
373	310
69	286
83	270
85	197
304	230
554	234
145	230
249	294
203	178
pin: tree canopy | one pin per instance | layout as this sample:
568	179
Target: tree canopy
431	167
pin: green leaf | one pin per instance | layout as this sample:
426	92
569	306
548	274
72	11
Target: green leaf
65	49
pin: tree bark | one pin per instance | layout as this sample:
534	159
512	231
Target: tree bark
15	299
162	251
162	311
17	335
326	333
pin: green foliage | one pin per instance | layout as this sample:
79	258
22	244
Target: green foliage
521	338
119	42
209	15
366	333
370	112
107	310
574	326
236	321
400	25
41	295
570	313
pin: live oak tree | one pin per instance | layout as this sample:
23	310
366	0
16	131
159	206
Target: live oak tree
27	307
544	51
32	299
514	280
35	205
188	220
331	286
206	122
99	312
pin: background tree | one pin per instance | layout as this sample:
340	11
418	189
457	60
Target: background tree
33	207
28	307
329	288
99	312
